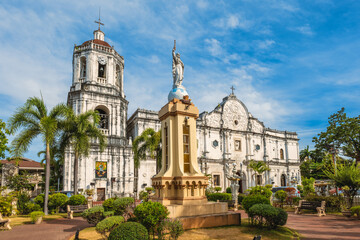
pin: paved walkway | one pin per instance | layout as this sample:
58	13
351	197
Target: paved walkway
328	227
57	229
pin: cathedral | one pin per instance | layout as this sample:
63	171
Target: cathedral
227	134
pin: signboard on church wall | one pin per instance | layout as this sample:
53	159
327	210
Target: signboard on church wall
101	170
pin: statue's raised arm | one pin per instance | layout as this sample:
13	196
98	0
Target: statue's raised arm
177	67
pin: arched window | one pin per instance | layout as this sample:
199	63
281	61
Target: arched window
281	154
104	118
283	180
186	145
102	70
82	67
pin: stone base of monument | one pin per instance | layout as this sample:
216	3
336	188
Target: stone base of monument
207	208
214	220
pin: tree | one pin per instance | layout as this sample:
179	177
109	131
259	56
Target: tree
342	133
347	176
258	167
3	140
78	131
19	182
305	154
147	144
35	120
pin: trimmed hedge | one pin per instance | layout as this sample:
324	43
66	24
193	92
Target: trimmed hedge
222	197
251	200
355	210
77	200
260	190
108	204
129	231
267	215
94	215
36	215
241	197
108	224
121	204
151	215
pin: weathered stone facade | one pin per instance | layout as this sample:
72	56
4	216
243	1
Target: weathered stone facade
98	85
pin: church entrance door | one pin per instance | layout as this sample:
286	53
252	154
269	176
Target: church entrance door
100	194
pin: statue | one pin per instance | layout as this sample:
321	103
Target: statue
177	68
234	178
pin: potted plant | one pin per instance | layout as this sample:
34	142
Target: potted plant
89	193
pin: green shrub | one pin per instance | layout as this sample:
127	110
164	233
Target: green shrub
251	200
36	215
333	203
308	185
296	200
149	189
39	199
23	199
269	186
281	196
267	215
355	210
94	215
144	196
57	200
32	207
129	231
108	224
120	205
174	227
241	197
5	205
217	189
222	197
228	190
108	204
109	214
260	190
77	200
151	215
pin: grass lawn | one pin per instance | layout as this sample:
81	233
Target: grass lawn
233	232
25	219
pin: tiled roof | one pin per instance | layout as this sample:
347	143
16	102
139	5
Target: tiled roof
97	41
24	163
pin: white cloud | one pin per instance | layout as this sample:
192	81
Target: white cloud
306	30
233	22
214	47
265	44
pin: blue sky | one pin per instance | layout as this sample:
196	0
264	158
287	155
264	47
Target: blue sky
293	63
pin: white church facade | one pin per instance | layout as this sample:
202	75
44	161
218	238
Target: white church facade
229	133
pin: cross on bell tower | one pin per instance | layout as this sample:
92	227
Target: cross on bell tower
232	90
99	22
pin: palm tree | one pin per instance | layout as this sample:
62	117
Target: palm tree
35	120
78	131
148	143
305	154
258	167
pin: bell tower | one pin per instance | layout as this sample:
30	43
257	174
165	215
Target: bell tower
97	84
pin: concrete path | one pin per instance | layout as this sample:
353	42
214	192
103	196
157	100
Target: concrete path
57	229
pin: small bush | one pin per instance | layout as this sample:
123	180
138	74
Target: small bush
355	210
240	198
5	205
23	199
228	190
149	189
77	200
108	204
222	197
251	200
174	227
260	190
144	196
281	195
120	205
94	215
269	186
151	214
296	200
57	200
109	214
217	189
39	199
333	203
36	215
108	224
267	215
32	207
129	231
